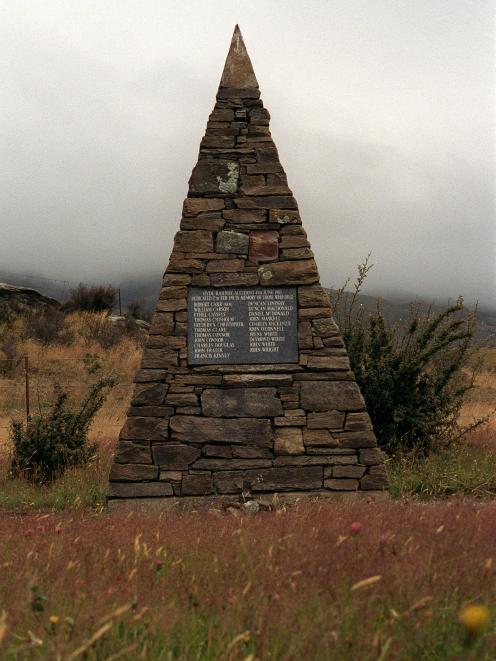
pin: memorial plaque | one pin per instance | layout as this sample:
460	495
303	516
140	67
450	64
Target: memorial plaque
242	325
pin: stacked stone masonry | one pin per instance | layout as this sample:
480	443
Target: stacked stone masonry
209	430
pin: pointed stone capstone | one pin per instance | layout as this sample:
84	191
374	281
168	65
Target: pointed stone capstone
245	388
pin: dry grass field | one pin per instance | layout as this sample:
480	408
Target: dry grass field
390	580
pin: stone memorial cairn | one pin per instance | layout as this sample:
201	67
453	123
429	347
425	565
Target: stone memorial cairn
228	429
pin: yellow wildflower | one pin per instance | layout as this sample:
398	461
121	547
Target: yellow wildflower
54	619
475	618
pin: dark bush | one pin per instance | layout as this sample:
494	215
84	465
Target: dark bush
138	310
47	445
412	377
92	298
9	350
48	327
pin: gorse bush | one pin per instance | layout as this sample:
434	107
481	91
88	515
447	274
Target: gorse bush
94	298
412	376
48	444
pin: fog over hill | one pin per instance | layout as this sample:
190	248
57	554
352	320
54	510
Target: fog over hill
383	114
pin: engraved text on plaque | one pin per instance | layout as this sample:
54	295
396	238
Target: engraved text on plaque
242	325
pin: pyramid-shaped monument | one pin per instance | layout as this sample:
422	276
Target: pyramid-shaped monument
245	385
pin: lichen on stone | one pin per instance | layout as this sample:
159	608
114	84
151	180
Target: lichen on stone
230	184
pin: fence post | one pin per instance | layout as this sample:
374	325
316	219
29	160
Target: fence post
26	374
120	307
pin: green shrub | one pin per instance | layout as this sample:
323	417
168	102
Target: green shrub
48	444
411	376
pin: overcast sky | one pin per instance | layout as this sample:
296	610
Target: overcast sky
382	111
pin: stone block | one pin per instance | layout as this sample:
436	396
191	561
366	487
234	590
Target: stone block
284	217
156	358
286	478
144	429
305	337
132	472
145	395
174	456
255	431
196	205
325	327
182	399
234	279
173	291
139	489
240	216
291	418
263	246
354	472
257	379
241	402
313	297
322	459
221	451
358	422
312	437
172	305
232	242
150	411
376	478
341	484
205	221
196	485
356	439
371	456
328	363
300	272
330	395
214	176
326	420
217	142
170	476
225	265
129	452
296	253
288	440
172	279
288	242
239	93
266	202
251	452
221	115
214	464
263	168
162	324
149	375
166	342
194	241
184	265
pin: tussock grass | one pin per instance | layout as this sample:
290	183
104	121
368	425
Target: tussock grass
295	584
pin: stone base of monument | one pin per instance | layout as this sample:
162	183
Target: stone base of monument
273	501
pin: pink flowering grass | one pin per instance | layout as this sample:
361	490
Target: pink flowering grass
283	585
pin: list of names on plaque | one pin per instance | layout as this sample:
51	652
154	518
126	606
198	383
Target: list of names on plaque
242	325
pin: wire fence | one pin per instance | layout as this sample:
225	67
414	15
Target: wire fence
29	385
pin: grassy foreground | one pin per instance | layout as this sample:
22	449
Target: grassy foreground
371	581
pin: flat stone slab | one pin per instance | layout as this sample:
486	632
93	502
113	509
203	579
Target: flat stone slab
196	429
241	402
277	499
